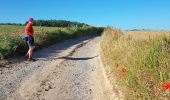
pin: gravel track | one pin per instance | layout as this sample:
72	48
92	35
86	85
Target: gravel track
67	71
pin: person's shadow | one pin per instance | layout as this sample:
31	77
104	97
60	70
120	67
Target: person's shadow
56	48
73	58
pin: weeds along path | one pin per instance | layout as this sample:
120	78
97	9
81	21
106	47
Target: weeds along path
67	71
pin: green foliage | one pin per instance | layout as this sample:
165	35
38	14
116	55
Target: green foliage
51	23
8	45
11	24
11	44
58	23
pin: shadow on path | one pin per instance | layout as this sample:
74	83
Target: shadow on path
52	51
73	58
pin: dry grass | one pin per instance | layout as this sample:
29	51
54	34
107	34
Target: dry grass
145	56
145	35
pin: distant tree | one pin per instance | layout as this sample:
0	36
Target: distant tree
58	23
51	23
11	24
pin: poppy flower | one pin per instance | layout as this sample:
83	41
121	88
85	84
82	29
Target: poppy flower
117	65
166	85
123	70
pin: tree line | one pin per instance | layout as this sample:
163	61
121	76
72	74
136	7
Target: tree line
58	23
51	23
11	24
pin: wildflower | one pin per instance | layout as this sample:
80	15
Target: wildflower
166	85
123	70
117	65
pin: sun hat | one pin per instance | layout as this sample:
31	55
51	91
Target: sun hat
30	19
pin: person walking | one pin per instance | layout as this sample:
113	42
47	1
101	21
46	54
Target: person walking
29	38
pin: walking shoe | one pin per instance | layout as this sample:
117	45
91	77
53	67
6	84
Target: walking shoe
31	59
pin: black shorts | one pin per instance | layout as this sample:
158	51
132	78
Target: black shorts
30	41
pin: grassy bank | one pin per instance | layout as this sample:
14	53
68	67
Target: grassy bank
11	43
145	55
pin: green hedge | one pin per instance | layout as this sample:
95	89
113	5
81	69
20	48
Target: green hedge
11	44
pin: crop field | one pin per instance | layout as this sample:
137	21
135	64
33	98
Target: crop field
11	43
16	29
139	61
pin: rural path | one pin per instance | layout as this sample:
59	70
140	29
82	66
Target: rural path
71	70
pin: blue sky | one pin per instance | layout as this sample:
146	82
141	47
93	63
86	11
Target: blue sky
124	14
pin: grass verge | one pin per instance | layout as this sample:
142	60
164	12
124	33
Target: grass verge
143	63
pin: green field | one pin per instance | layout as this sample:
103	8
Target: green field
11	43
16	29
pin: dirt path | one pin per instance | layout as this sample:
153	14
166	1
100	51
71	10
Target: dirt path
67	71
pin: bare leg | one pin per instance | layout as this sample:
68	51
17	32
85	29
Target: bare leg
27	54
30	51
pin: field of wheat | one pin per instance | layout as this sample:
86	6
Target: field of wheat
144	62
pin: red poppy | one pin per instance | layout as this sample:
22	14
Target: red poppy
166	85
117	65
123	70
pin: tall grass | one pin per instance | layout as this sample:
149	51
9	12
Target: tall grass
146	60
11	43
